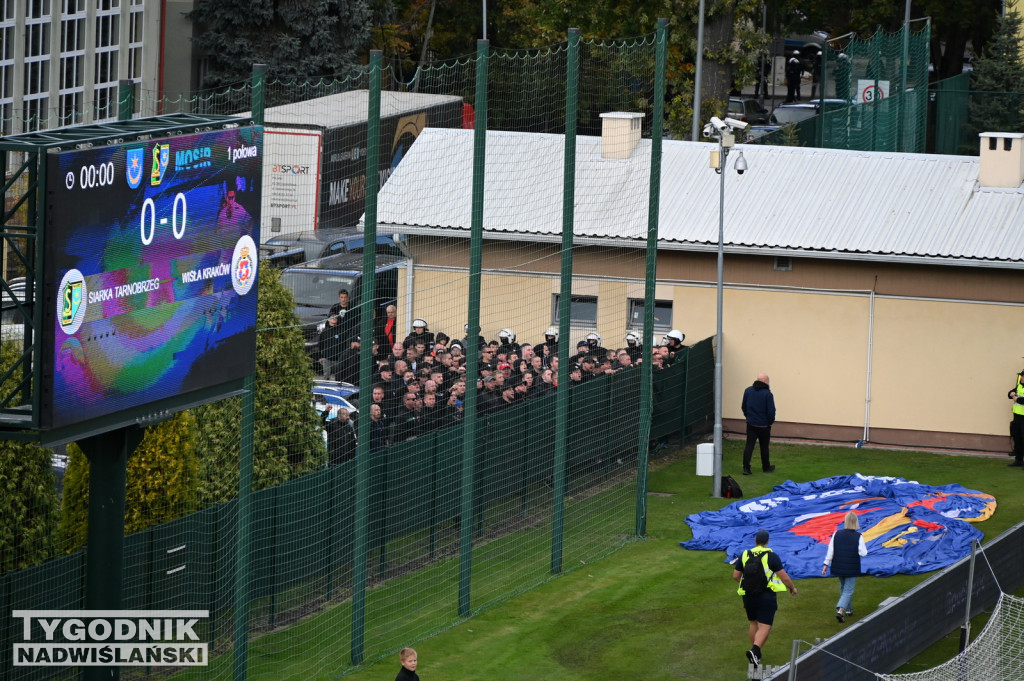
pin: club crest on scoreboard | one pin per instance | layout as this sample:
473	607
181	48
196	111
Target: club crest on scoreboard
161	157
243	265
71	297
133	167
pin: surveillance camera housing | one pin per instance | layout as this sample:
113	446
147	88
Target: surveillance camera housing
741	164
737	126
719	125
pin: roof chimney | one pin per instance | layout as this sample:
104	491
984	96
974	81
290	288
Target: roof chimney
1002	159
620	133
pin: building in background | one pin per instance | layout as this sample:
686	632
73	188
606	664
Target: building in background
61	60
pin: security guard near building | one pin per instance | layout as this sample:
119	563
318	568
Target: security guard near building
1017	425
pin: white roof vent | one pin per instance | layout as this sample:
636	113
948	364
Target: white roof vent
1002	159
620	133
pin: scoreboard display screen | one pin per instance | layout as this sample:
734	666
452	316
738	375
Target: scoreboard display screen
150	272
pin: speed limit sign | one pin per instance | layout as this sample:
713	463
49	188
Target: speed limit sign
869	91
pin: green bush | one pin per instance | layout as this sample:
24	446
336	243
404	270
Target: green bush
160	482
29	512
30	509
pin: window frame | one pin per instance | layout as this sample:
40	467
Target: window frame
575	322
634	303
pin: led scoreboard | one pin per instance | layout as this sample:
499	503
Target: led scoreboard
150	272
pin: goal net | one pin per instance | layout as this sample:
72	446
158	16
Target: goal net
995	655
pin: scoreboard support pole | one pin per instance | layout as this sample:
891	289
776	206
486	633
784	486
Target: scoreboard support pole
104	556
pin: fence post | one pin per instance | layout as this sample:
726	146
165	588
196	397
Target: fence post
565	300
240	661
367	298
259	92
475	264
650	279
244	528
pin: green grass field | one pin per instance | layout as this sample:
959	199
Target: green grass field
653	610
650	610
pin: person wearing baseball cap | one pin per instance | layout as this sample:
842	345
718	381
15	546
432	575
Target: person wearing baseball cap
758	591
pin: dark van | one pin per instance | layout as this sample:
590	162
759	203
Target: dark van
315	285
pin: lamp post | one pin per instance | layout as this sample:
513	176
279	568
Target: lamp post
725	132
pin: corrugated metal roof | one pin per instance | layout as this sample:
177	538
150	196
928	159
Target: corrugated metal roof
791	199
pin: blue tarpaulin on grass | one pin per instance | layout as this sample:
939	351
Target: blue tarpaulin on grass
909	528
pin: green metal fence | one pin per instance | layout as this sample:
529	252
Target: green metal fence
302	530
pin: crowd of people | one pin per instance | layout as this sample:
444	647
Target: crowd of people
419	382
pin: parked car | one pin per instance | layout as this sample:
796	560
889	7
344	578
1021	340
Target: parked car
784	114
291	249
801	111
315	285
747	110
332	395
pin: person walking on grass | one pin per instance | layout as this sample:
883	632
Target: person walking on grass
409	662
758	408
761	574
845	550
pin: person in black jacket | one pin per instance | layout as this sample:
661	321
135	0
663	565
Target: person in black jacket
845	550
759	409
341	438
347	367
378	428
409	663
331	344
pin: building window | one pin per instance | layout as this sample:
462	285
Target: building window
582	313
662	314
108	36
783	264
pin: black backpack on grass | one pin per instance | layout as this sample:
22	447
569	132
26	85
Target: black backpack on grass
731	488
754	581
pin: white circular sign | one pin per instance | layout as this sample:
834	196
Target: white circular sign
243	265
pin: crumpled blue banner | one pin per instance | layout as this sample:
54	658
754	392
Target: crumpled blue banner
909	528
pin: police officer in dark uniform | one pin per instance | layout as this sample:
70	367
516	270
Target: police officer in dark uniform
549	348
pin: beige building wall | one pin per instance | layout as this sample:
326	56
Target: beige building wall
945	366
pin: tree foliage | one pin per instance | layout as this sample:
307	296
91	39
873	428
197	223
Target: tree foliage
1000	69
159	486
294	38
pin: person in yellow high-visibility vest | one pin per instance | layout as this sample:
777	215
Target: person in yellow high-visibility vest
1017	425
761	606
